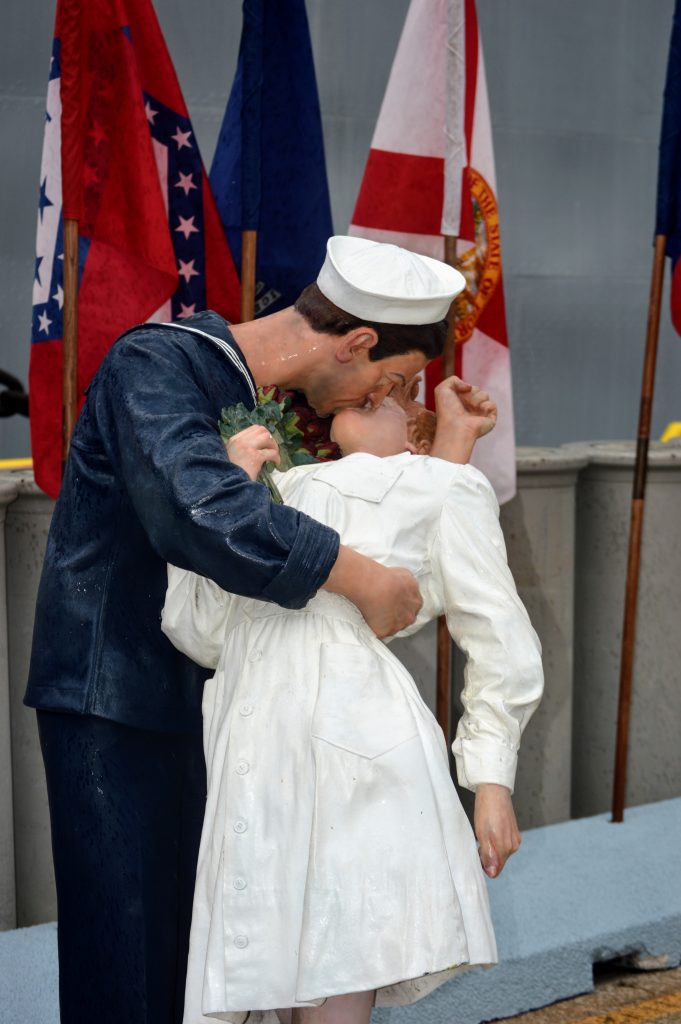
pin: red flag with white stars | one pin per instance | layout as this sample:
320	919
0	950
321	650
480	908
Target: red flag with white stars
430	173
119	156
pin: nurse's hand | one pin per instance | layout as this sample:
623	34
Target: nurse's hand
464	413
496	827
251	449
388	598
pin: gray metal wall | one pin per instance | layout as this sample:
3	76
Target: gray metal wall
575	92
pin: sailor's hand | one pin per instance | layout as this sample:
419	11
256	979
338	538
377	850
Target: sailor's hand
388	598
251	448
391	601
495	826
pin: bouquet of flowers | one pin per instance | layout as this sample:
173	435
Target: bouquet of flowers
275	412
316	430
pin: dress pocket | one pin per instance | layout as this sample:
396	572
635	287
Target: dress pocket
361	706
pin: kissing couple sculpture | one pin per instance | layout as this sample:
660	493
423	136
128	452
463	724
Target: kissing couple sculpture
336	867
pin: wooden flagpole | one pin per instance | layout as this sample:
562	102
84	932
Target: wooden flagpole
249	241
72	115
70	342
443	672
448	356
636	530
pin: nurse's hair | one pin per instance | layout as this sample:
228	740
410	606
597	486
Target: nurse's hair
421	421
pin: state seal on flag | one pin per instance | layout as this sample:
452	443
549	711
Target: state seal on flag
481	263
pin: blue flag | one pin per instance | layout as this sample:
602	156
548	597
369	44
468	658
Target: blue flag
269	172
668	218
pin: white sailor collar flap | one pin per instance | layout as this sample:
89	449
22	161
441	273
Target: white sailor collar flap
360	476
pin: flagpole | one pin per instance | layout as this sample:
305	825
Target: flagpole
71	19
443	672
251	61
636	531
448	356
70	341
249	241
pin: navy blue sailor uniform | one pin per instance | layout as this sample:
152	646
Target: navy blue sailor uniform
119	709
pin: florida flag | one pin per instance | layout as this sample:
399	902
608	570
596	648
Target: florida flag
430	173
120	157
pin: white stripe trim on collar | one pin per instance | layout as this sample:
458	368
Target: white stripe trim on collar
225	347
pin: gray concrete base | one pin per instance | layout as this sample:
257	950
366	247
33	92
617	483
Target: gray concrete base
26	529
603	515
8	901
577	893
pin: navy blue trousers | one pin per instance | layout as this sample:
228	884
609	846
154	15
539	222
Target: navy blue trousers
126	807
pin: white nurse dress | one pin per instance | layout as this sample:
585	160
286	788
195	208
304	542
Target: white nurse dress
335	855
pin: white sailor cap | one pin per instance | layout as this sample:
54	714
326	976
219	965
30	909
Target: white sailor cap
387	284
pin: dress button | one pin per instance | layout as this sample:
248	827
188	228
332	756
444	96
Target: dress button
239	884
246	710
241	941
255	655
243	768
240	825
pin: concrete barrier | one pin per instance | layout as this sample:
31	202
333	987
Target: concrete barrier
8	917
539	527
603	510
26	527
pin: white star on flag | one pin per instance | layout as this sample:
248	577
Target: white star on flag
187	271
186	311
185	182
59	296
151	114
182	139
186	226
44	322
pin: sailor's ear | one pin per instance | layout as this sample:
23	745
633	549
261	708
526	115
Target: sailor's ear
355	343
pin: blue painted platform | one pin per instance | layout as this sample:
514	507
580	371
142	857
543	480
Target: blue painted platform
576	893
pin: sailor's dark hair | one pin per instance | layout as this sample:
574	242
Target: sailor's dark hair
393	339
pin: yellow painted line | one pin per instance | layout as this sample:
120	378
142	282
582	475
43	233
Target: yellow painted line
649	1009
16	463
673	430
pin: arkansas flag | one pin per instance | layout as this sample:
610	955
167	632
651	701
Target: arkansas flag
120	157
430	173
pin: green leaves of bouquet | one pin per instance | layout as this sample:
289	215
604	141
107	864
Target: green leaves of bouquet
282	423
